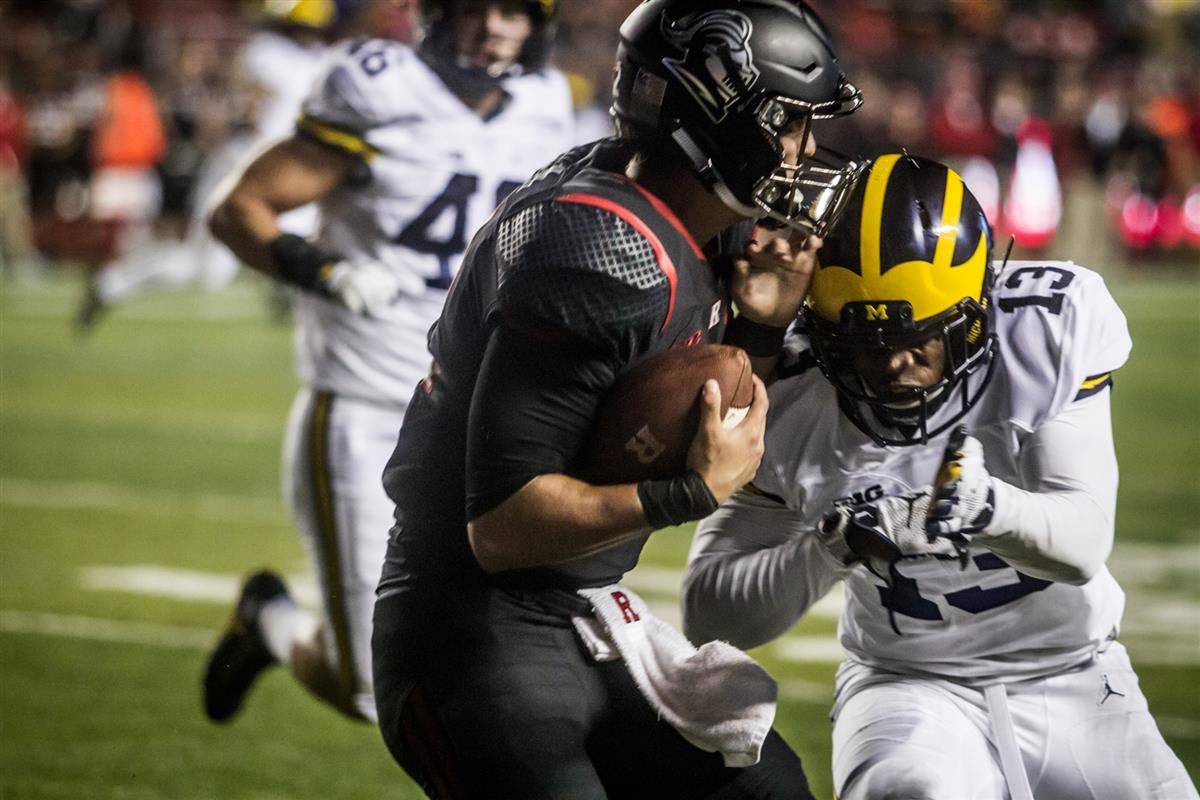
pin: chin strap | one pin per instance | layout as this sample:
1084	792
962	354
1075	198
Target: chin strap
708	174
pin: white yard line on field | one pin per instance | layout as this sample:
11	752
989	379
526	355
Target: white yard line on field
106	630
226	426
185	584
95	496
56	302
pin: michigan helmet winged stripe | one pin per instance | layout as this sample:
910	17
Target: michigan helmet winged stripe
910	261
888	266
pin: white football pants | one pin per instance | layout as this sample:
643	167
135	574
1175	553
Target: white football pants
1083	734
334	455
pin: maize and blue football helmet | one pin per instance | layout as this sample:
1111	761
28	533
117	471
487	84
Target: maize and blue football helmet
911	259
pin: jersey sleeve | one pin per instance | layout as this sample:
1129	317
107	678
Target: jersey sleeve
363	87
576	268
1059	525
531	409
1062	336
579	294
754	569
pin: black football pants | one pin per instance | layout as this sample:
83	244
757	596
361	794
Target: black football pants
486	693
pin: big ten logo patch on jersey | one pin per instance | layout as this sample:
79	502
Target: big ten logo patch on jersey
868	495
714	316
645	446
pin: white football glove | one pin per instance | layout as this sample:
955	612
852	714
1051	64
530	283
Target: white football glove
366	288
963	497
881	533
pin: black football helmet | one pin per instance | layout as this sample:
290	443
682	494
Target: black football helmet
439	46
723	80
910	259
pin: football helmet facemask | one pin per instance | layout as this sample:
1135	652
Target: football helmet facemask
910	260
439	46
724	81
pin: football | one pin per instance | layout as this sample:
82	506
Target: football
646	423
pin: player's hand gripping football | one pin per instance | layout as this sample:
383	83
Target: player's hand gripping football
771	279
366	288
881	533
963	497
727	456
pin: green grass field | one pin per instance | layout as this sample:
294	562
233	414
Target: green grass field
139	474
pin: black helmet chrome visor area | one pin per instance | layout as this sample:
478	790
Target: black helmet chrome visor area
812	194
808	195
726	82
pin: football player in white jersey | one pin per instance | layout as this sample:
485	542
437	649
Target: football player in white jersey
405	151
941	442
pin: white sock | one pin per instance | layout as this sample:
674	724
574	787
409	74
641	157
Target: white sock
283	623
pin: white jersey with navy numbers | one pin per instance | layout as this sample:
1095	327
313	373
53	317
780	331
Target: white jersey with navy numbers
1060	335
433	171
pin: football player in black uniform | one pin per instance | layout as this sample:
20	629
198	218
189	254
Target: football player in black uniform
482	687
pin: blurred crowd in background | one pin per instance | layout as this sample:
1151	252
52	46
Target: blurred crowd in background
1077	124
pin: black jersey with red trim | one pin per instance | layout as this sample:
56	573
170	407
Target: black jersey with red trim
579	275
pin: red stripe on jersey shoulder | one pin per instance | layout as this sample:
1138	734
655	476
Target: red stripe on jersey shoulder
636	222
669	215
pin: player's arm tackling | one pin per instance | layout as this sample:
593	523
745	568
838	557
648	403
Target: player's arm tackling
1060	528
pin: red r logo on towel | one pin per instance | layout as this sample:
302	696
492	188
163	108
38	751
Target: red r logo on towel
626	607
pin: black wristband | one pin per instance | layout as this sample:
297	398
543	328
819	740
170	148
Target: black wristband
300	262
758	340
677	500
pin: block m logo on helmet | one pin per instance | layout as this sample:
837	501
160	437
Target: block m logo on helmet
717	65
877	312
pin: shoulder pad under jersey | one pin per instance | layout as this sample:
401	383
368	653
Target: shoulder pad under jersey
367	83
1061	335
583	268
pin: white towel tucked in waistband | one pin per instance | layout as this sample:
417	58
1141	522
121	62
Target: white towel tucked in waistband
717	697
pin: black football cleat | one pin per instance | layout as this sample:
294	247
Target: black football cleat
241	654
91	308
